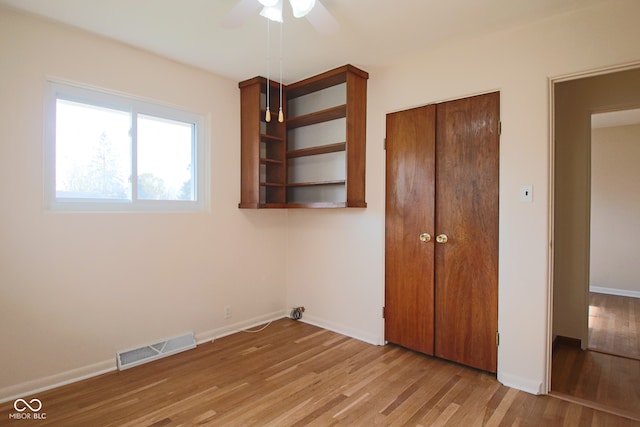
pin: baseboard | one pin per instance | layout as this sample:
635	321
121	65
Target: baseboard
566	341
523	384
30	388
214	334
340	329
611	291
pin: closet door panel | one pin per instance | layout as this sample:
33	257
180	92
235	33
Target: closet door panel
466	265
409	286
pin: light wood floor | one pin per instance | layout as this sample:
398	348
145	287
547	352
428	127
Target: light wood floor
600	376
294	374
614	324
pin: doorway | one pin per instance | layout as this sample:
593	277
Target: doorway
614	280
574	100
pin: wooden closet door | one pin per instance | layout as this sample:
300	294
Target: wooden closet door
409	287
466	268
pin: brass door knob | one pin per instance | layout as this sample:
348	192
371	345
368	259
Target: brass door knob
442	238
425	237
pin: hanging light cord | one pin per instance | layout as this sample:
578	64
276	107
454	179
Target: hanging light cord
267	115
280	113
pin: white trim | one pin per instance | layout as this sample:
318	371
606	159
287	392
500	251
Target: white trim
546	386
340	329
612	291
29	388
524	384
311	320
212	335
595	72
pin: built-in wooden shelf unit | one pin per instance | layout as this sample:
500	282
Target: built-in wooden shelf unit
316	157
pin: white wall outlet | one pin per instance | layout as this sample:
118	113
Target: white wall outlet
526	193
227	312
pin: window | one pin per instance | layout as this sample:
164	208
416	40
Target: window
110	152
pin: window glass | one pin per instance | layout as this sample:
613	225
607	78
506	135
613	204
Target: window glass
93	152
116	153
165	159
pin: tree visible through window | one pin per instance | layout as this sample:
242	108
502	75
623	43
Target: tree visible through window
122	152
93	152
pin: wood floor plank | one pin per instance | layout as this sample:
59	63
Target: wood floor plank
600	378
604	379
614	324
294	374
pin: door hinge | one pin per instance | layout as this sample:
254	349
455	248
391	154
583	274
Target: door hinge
499	127
497	339
385	144
383	312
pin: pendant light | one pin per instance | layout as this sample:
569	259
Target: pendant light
272	10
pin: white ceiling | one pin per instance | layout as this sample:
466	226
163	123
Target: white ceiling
372	32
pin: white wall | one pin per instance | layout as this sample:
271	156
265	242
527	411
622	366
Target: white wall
615	209
345	292
77	288
57	280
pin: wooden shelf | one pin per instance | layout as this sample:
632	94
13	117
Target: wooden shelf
329	114
271	138
320	149
315	184
264	160
324	80
265	167
313	205
317	205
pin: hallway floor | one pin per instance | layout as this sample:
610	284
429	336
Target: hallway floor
608	374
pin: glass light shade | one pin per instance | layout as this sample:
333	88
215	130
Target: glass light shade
301	7
268	3
274	13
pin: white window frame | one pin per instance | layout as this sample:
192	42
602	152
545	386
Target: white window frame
134	106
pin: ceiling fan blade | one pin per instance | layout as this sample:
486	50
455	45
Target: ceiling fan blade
322	20
240	13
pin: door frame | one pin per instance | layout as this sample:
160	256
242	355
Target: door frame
551	204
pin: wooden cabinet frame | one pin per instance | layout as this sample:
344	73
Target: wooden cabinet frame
264	150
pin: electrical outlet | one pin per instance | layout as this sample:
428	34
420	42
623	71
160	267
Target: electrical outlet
227	312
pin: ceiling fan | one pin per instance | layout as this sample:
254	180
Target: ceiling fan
315	12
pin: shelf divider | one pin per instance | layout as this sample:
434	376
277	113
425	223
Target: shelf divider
320	149
337	112
315	183
273	138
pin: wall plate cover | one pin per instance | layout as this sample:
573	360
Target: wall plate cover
526	193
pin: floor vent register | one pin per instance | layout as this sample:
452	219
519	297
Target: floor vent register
138	356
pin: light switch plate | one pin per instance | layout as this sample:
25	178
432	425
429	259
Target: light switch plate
526	193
